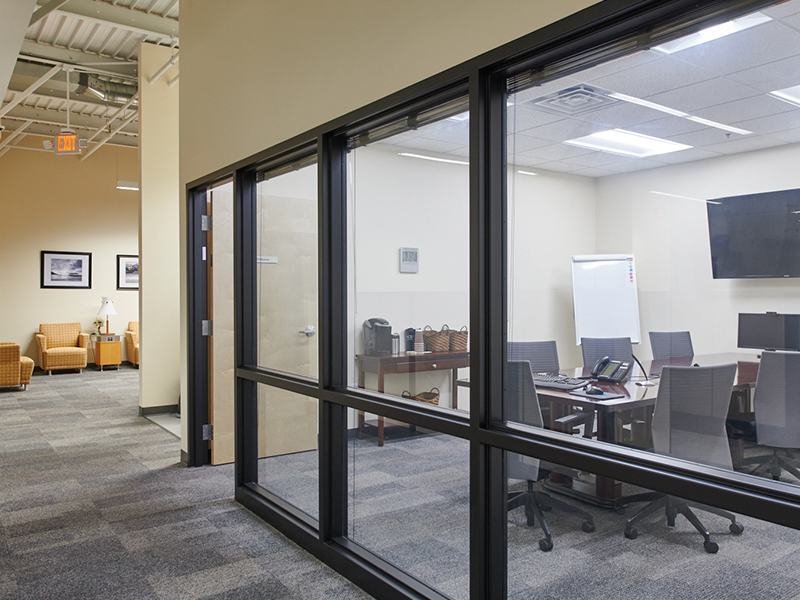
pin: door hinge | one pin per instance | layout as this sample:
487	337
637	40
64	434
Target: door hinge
206	327
208	432
205	222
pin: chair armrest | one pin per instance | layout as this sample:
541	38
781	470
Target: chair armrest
25	370
83	340
41	346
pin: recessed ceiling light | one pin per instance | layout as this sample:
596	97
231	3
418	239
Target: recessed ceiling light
790	95
648	104
627	143
683	197
132	186
722	126
712	33
521	172
434	158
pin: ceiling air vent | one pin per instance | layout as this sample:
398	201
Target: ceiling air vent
574	100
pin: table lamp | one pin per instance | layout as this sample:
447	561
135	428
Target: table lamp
106	310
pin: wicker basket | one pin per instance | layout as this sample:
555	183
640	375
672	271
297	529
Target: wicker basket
459	339
431	397
436	341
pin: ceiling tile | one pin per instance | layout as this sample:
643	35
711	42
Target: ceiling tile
773	123
784	9
668	126
744	144
686	156
706	137
592	172
660	75
758	45
744	109
619	64
522	117
521	142
703	94
772	76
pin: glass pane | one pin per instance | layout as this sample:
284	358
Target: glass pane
288	464
654	250
409	503
287	272
561	546
408	233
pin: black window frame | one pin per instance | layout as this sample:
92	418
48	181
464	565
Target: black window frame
593	35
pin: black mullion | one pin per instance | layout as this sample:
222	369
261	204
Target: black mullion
332	212
488	323
246	324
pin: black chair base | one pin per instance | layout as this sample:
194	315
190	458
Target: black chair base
672	508
775	462
536	503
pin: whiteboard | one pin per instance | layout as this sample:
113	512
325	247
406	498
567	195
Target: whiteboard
604	296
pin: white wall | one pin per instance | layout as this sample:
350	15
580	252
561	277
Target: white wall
61	203
159	232
669	237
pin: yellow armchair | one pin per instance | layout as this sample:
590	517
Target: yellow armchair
132	342
62	346
15	370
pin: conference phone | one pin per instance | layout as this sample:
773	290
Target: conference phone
613	371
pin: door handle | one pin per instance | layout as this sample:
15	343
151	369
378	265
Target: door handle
309	331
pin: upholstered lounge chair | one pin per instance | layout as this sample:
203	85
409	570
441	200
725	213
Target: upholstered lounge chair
132	342
62	346
15	370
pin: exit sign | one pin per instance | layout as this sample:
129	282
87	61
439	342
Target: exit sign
67	143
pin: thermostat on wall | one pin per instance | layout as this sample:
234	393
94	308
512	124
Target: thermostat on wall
409	260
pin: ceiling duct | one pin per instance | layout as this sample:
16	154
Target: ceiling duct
107	91
574	100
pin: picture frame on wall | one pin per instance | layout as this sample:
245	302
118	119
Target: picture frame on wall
127	272
65	270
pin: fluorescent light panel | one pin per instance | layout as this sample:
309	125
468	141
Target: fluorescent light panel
132	186
715	32
627	143
679	113
669	195
648	104
435	158
790	95
521	172
722	126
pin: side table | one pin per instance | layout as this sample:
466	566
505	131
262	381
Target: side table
107	350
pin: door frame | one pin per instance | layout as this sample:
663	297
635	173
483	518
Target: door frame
197	405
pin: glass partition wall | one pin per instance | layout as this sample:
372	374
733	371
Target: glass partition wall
553	296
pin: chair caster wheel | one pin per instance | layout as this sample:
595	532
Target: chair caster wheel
631	533
736	528
587	526
711	547
545	545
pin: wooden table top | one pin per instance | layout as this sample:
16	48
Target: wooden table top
635	394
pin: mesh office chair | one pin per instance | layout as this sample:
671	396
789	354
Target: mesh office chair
543	358
689	423
671	344
522	406
593	349
777	411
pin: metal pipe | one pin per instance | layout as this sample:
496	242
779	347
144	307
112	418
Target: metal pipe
109	136
163	68
20	96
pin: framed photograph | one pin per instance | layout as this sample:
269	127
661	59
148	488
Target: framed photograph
127	272
66	269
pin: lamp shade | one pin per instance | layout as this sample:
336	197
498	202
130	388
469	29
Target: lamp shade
106	308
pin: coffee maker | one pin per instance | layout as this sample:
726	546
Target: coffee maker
377	337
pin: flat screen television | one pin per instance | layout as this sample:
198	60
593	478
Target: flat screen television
769	331
757	235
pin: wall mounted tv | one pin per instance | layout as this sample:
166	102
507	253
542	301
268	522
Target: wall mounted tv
757	235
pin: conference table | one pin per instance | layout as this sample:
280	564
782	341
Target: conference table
634	410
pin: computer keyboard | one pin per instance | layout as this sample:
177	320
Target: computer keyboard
559	382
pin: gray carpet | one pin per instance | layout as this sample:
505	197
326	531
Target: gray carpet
94	505
409	503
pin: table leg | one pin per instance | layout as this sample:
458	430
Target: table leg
454	395
381	424
606	487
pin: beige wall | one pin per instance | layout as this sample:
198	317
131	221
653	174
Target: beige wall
159	233
50	202
254	73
